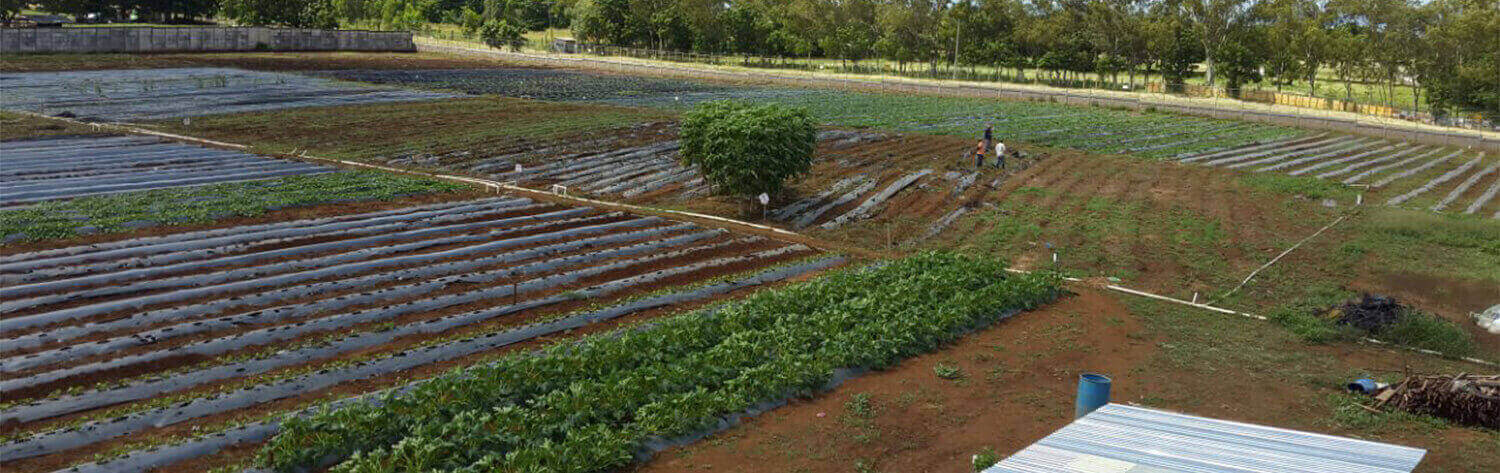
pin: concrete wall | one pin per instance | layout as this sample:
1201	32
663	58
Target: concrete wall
196	39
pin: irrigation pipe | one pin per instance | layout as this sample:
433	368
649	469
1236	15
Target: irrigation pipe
1283	254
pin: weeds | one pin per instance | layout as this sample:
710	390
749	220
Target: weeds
947	371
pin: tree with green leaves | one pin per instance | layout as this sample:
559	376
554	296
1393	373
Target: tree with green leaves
503	34
1461	68
746	149
1217	22
9	10
289	13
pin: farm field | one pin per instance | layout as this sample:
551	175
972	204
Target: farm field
158	337
145	94
71	182
471	127
72	167
1435	178
1156	135
370	321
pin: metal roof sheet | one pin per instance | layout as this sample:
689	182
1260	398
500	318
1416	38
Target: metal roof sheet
1124	439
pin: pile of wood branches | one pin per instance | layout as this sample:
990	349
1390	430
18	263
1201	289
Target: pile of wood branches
1466	399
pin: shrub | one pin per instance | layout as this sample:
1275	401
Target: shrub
744	149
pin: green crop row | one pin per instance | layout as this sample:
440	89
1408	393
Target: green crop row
592	405
204	204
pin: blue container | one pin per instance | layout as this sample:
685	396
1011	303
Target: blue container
1093	393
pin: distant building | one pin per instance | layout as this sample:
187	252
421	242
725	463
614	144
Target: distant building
565	45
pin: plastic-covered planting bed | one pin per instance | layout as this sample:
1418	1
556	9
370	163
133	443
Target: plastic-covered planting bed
1372	162
1210	130
1214	154
450	272
183	288
1334	144
506	297
1485	198
430	280
146	94
1435	182
1404	163
60	440
21	262
1111	138
807	217
51	169
868	207
158	250
1359	150
25	296
1414	171
1464	187
369	234
797	207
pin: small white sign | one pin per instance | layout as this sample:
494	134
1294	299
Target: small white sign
764	199
518	167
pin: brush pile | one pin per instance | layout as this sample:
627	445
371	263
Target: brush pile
1369	313
1465	399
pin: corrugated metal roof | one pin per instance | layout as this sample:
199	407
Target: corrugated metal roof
1125	439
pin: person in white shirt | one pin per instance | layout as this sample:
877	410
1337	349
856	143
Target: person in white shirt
1000	154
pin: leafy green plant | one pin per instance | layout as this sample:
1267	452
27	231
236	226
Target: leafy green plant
744	149
588	406
985	458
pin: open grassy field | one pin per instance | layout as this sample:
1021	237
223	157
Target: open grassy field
255	332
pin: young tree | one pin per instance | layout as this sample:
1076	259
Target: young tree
744	149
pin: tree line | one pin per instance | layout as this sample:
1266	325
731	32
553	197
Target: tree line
1444	51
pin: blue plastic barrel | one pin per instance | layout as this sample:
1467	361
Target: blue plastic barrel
1093	393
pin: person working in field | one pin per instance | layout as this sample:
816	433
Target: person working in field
984	145
979	155
1000	154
